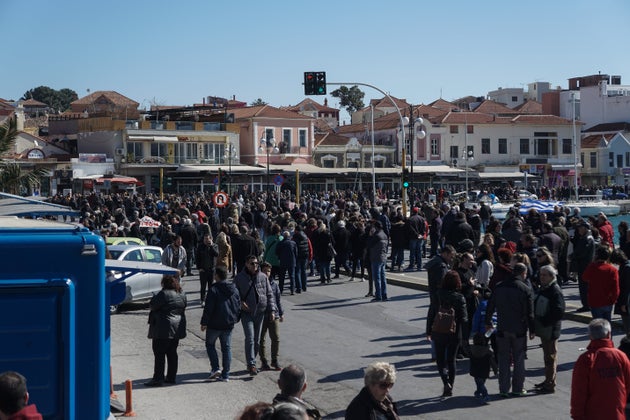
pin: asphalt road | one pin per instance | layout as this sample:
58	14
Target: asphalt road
333	331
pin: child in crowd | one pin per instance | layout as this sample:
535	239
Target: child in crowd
481	358
271	324
479	325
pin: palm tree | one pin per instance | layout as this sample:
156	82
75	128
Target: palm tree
12	178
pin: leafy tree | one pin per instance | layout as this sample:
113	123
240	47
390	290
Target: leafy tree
351	99
56	99
8	133
258	102
12	178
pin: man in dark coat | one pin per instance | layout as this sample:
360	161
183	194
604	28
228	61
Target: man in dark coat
221	312
207	253
459	231
304	255
287	252
514	303
399	242
435	231
243	245
548	312
415	232
341	238
551	240
189	242
583	253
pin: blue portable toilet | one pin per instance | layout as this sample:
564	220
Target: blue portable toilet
54	323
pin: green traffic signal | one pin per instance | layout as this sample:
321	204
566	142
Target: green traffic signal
314	82
405	184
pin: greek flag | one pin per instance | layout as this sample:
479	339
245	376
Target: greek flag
540	206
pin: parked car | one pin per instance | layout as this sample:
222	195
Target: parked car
524	194
122	240
607	194
139	286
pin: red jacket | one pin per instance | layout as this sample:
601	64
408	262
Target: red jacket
606	233
27	413
601	382
603	284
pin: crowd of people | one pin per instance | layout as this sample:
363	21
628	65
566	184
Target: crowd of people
492	283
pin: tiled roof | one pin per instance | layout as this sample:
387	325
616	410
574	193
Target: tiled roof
385	122
321	126
430	112
265	111
331	139
443	105
529	107
384	102
618	126
309	104
114	97
492	107
468	118
596	140
32	102
6	105
541	119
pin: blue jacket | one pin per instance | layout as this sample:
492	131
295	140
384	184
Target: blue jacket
223	306
287	252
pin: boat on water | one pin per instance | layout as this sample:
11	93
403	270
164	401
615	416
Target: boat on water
593	208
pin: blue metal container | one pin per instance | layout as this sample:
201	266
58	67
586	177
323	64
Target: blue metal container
54	323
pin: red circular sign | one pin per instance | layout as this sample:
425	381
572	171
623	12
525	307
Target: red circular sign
220	199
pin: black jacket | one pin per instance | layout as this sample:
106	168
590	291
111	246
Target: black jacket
624	289
398	235
550	297
167	319
365	407
301	240
206	256
514	304
223	306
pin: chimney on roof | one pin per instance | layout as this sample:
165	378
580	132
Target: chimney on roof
233	97
325	101
204	100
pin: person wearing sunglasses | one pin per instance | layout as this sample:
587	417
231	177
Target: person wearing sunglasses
374	401
257	301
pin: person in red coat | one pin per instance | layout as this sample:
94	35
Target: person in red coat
601	377
603	284
606	231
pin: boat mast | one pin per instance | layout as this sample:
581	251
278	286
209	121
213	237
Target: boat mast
575	155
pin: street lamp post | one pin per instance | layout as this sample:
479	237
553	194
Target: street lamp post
268	145
416	132
230	153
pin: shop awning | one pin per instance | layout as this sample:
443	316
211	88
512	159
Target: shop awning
159	139
504	175
118	180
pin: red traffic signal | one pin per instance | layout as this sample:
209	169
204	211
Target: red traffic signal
314	82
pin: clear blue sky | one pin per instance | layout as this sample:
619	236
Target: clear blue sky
175	53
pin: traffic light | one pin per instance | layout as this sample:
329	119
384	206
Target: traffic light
314	82
223	180
405	178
